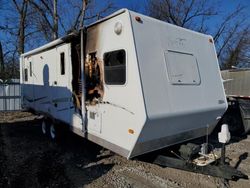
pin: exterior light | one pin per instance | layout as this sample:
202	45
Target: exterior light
138	19
118	28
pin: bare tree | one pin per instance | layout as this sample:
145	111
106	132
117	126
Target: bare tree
17	34
238	54
196	14
87	12
82	13
21	9
16	31
40	21
182	13
45	17
47	10
55	16
1	59
8	66
51	16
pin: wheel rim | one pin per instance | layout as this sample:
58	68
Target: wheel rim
52	132
43	127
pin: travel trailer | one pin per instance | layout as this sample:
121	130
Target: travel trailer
128	82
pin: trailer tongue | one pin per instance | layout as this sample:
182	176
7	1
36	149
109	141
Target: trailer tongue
199	159
215	169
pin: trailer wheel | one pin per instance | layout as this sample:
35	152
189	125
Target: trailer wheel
52	132
44	127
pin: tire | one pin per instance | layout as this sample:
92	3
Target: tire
44	127
233	119
52	131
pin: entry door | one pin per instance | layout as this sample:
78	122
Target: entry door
29	82
61	92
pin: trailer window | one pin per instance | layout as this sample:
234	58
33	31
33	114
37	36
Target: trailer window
25	75
182	68
30	69
115	67
62	61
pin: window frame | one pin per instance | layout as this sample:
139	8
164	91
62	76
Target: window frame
169	64
110	51
30	69
62	68
26	75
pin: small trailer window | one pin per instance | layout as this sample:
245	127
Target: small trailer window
30	69
26	75
182	68
115	67
62	61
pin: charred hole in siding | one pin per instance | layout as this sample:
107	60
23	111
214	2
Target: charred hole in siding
94	79
94	72
93	75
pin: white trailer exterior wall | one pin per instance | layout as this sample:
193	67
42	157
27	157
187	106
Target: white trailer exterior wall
181	83
171	89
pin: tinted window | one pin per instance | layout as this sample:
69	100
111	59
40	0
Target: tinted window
62	60
30	69
115	67
25	75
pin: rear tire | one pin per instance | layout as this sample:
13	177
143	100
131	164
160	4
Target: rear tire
232	117
44	127
52	132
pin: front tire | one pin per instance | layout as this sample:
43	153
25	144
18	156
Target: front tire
52	132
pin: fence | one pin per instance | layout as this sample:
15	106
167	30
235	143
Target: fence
10	95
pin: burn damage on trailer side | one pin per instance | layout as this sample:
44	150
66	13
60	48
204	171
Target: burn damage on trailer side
76	71
94	78
93	72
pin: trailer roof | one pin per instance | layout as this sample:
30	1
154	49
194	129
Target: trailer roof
51	44
108	17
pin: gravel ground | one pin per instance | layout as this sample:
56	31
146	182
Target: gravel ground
29	159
